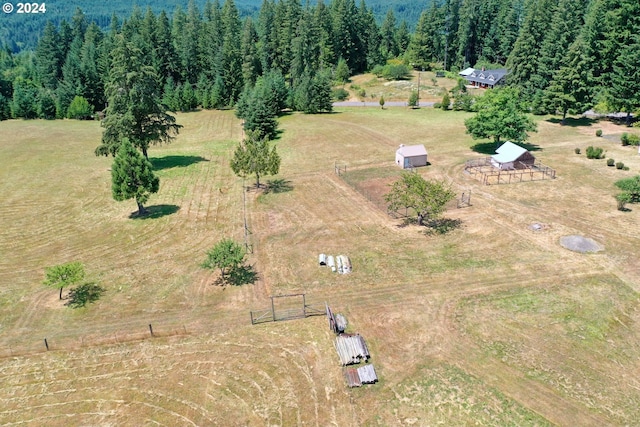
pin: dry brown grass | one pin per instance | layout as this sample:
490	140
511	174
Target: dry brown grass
493	323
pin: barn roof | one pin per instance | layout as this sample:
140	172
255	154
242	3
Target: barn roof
508	152
412	150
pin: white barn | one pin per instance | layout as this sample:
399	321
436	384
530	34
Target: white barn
411	156
510	156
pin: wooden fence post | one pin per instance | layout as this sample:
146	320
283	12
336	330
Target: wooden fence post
46	344
150	329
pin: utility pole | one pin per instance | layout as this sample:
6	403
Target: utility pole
418	89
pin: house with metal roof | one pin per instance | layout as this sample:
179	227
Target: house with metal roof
411	156
510	156
486	78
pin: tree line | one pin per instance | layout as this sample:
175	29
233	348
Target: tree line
564	55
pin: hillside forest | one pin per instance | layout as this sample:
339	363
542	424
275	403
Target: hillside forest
562	55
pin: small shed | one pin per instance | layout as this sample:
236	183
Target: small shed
510	156
411	156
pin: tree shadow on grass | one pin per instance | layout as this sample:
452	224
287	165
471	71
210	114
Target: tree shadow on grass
156	211
278	186
572	122
241	275
489	148
168	162
442	226
84	294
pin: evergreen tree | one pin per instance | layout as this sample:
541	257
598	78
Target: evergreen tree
90	76
388	38
305	50
134	109
132	176
46	104
569	90
259	118
231	61
164	57
313	94
524	60
48	60
624	88
24	100
251	65
566	21
323	22
254	156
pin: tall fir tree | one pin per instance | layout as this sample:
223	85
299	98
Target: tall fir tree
134	110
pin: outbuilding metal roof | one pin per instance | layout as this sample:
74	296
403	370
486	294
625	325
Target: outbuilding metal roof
508	152
412	150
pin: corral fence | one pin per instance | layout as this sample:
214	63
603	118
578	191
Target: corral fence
287	307
483	170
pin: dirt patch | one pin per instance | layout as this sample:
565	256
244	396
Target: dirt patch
580	244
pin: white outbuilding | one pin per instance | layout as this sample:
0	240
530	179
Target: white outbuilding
510	156
411	156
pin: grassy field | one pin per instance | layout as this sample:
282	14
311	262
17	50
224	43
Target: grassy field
491	324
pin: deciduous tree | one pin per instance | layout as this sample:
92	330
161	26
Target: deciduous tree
63	275
500	115
226	255
427	198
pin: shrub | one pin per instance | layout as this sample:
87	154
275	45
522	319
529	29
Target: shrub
464	102
610	162
79	109
437	105
634	139
362	94
594	152
445	101
378	70
395	72
340	94
619	165
626	168
624	139
577	150
413	99
599	132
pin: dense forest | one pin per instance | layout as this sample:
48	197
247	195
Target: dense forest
21	31
563	55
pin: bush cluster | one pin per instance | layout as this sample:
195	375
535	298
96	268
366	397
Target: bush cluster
392	71
594	152
340	94
630	139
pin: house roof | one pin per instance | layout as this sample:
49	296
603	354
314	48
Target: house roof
412	150
489	77
466	71
508	152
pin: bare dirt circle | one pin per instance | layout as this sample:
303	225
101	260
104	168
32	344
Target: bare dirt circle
580	244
